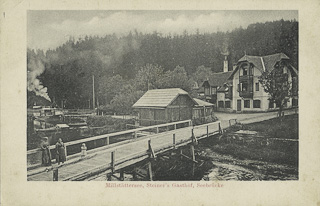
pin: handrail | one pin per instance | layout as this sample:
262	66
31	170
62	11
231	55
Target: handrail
113	134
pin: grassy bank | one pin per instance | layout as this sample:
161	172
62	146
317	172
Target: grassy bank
280	152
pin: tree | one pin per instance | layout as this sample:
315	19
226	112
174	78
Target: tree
201	74
122	102
177	78
149	77
276	83
109	87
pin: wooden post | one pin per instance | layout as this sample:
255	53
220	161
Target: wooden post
180	153
220	130
175	126
55	174
134	173
150	150
192	152
108	140
112	161
207	131
229	123
174	140
135	134
109	175
157	131
151	156
150	171
121	175
65	151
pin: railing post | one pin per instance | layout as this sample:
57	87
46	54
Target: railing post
108	140
135	134
121	175
220	130
55	174
207	130
112	161
174	140
151	155
175	126
229	122
157	130
65	151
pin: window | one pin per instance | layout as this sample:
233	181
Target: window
227	104
246	103
257	86
245	71
220	104
271	105
256	103
244	86
214	90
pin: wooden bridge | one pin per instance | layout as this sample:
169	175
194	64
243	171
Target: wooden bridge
115	157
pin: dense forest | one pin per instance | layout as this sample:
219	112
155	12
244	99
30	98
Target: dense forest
125	67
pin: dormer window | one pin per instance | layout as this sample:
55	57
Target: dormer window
246	69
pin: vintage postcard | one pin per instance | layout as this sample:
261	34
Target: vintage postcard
114	100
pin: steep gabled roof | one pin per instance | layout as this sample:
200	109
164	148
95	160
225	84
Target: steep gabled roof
160	97
263	63
218	79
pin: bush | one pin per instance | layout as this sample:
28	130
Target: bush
114	124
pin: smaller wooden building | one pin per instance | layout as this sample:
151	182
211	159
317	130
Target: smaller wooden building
164	105
202	110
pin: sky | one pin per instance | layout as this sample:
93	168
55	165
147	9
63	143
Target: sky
50	29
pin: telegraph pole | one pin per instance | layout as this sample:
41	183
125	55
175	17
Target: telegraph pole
93	96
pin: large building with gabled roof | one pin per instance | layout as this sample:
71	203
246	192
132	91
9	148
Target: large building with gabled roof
240	90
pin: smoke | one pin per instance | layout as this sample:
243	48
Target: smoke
225	47
35	69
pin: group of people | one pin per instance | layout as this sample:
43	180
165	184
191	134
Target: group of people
60	154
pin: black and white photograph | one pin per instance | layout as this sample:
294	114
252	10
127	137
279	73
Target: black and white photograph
204	96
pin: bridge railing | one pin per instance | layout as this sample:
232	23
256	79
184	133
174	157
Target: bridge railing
34	156
127	154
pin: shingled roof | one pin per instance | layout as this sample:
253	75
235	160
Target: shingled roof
264	63
160	97
218	79
202	103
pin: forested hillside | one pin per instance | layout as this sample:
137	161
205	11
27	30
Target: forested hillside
124	67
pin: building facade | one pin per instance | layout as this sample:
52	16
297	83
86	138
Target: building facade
164	105
241	90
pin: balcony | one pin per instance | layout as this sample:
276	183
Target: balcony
246	78
246	94
246	85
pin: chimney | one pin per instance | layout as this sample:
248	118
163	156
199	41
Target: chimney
225	64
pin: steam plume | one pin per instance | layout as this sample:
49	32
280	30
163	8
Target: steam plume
35	69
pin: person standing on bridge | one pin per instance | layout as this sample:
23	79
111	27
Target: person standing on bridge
46	155
60	152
